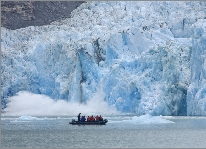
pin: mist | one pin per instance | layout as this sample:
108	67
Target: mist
27	103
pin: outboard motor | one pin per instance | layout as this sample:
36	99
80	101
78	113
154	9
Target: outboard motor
105	120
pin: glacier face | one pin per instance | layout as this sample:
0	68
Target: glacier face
197	90
148	57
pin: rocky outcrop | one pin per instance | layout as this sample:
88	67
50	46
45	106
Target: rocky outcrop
20	14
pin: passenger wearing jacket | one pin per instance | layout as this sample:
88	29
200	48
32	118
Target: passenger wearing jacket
92	118
88	119
97	118
83	119
100	118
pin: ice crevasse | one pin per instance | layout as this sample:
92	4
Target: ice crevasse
147	57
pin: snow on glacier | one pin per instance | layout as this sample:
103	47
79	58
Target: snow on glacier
143	55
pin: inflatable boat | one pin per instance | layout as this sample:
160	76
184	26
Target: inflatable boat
74	122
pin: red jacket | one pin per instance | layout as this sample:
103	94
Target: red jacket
100	118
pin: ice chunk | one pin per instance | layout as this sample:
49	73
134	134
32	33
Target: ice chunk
145	119
27	117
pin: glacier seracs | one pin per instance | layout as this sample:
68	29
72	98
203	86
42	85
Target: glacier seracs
196	97
148	57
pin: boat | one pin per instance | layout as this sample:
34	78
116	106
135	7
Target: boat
74	122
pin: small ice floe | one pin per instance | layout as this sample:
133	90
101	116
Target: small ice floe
25	117
146	119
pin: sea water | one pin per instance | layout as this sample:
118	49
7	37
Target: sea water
121	131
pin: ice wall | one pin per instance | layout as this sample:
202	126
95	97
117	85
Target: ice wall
142	55
154	81
35	64
197	89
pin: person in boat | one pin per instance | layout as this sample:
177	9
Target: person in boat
93	119
100	118
79	116
97	118
88	119
83	119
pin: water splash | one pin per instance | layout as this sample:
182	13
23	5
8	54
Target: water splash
27	103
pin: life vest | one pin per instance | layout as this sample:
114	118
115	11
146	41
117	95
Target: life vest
92	118
100	118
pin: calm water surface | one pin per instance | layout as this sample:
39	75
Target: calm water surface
56	132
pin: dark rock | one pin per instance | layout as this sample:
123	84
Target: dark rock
21	14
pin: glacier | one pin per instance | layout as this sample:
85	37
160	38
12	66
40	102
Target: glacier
146	57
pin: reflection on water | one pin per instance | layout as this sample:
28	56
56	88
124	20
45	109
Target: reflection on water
119	132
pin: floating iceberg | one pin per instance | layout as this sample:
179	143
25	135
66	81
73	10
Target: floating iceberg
147	119
26	117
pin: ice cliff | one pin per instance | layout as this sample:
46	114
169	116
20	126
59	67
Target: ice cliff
147	57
